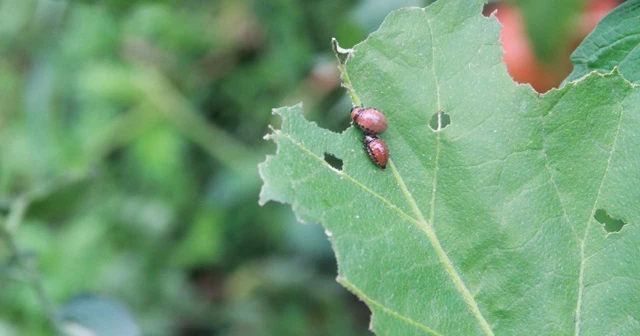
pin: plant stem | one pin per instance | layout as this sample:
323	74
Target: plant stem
342	67
14	219
16	213
179	112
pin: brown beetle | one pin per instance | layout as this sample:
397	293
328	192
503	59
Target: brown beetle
377	150
370	120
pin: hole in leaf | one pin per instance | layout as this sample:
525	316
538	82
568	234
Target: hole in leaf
332	116
610	224
333	161
439	121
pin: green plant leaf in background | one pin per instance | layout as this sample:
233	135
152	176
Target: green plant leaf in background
614	42
492	225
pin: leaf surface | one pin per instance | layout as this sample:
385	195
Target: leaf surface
486	226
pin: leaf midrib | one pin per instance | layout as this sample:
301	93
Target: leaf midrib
353	288
586	231
421	224
404	215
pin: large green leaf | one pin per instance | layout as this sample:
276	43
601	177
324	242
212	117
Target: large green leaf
486	226
614	43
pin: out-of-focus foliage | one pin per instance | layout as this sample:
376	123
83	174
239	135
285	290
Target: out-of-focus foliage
132	130
550	25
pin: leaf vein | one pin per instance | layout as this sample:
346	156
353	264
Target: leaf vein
428	228
395	314
549	171
351	179
586	231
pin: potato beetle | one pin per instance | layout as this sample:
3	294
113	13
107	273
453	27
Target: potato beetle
370	120
377	150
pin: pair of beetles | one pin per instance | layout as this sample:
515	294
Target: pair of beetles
372	122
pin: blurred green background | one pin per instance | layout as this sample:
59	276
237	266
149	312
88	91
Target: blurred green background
130	133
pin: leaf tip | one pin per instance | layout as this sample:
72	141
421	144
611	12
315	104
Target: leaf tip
271	136
335	45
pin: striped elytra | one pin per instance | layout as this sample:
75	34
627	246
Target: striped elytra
370	120
377	150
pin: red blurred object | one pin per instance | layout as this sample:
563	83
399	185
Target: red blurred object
518	53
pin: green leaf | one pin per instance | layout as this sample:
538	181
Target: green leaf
550	25
614	43
202	243
486	226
